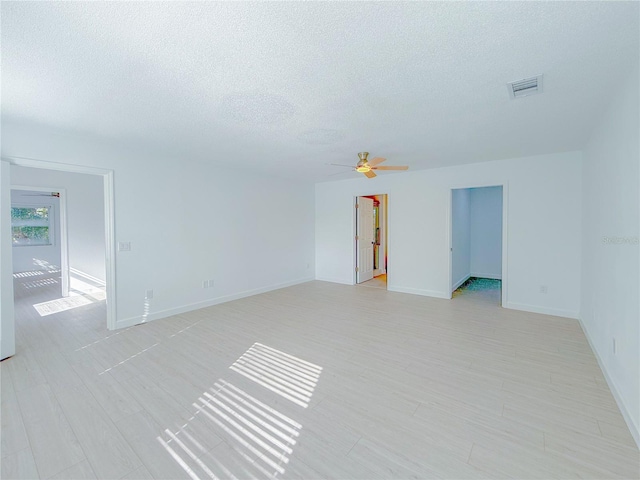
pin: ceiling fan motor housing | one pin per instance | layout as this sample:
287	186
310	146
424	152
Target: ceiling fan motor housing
362	165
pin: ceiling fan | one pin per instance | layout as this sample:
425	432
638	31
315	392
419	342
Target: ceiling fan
367	167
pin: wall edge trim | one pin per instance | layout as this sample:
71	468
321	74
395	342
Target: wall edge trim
419	291
333	280
633	429
140	319
86	276
492	276
556	312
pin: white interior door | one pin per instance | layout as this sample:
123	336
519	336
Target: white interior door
365	240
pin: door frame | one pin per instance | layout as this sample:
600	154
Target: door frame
354	223
382	218
63	232
109	221
505	235
359	234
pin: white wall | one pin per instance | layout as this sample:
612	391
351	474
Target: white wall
38	257
7	327
485	219
85	214
187	222
460	237
544	196
611	226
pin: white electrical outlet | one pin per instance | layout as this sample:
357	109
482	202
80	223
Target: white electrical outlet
210	283
205	284
543	289
148	294
124	246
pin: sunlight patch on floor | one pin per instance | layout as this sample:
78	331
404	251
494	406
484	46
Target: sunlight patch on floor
60	305
288	376
261	438
130	358
34	273
40	283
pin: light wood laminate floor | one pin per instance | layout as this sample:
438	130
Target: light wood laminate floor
313	381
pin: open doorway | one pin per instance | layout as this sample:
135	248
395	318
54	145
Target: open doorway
47	173
476	250
58	246
371	241
39	244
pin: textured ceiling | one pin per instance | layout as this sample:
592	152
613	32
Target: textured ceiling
290	87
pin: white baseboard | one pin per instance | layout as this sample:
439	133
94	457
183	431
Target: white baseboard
543	310
334	280
86	276
612	386
460	282
418	291
492	276
128	322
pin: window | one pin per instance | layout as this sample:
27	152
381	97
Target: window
31	226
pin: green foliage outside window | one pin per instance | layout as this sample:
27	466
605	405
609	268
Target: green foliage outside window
30	226
29	213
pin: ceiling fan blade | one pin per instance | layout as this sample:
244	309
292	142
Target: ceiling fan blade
390	167
369	174
340	173
376	161
340	165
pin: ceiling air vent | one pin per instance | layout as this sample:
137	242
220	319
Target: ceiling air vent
524	87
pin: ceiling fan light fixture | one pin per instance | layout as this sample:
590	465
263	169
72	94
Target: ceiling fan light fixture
362	165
